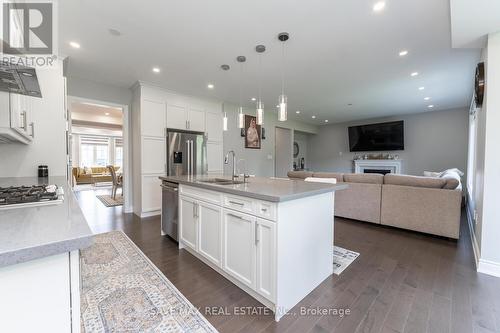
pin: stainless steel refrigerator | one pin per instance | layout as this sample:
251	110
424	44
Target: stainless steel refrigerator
187	153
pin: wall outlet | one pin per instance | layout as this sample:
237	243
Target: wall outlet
340	153
475	216
269	156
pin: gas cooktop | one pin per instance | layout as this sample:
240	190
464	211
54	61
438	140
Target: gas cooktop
27	196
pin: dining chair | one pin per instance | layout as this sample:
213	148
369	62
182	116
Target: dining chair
117	182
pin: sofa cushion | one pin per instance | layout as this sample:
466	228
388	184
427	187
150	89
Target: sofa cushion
338	176
453	179
321	180
299	174
415	181
366	178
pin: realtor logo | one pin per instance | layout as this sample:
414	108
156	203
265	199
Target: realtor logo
27	28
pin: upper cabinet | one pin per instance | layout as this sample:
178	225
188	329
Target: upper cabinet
185	117
153	119
16	123
213	125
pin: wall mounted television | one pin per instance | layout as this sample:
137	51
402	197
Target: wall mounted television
377	137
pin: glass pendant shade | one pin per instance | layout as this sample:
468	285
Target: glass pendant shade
241	118
224	122
260	113
282	108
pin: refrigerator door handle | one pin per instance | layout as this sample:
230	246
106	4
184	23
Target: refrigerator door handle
191	157
188	148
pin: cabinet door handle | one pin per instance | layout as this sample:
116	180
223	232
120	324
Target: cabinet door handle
256	233
32	125
236	203
194	210
24	120
264	209
197	210
238	217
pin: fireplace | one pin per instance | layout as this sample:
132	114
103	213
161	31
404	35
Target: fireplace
378	166
381	171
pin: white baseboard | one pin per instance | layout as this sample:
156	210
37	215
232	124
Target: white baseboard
489	267
149	214
473	239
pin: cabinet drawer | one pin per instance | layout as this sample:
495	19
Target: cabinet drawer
239	203
266	210
201	194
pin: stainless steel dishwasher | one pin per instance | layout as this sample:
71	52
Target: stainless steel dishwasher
169	209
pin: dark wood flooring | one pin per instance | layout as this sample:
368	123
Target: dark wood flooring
402	281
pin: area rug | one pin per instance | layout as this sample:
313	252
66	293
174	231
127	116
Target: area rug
342	258
123	291
108	201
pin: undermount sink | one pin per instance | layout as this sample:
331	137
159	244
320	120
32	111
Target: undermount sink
221	181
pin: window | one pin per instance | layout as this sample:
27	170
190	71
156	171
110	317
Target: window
118	152
94	151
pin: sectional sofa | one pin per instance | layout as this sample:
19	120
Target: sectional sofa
426	204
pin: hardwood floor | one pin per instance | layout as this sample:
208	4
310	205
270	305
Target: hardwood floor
402	281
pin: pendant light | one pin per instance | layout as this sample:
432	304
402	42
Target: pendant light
224	119
241	116
260	106
282	100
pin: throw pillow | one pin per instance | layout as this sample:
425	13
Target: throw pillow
88	170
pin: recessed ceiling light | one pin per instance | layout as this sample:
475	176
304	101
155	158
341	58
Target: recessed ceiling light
114	32
156	69
426	98
254	99
414	74
277	106
421	88
106	114
210	86
297	112
377	7
326	120
313	117
350	104
403	53
430	106
74	45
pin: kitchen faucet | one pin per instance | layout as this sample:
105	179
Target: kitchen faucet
226	161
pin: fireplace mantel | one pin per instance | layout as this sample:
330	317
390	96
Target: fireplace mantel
393	166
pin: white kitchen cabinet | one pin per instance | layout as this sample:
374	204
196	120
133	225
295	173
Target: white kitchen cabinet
266	246
153	111
41	295
213	127
177	116
210	231
154	151
153	121
151	194
188	234
239	246
196	119
16	123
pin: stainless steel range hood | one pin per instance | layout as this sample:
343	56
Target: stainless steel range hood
19	80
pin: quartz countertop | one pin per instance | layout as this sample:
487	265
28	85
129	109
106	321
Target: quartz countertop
41	231
267	189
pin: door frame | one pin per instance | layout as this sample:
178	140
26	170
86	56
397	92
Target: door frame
127	162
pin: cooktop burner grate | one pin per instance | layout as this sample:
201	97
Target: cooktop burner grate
28	194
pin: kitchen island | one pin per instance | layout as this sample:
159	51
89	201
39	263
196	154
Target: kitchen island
271	237
39	262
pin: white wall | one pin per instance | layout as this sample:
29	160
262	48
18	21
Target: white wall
48	147
98	91
487	174
434	141
258	162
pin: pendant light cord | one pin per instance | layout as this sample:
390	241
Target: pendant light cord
260	76
283	68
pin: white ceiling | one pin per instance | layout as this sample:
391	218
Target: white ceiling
472	21
340	52
93	113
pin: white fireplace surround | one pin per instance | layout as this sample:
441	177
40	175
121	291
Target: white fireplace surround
394	166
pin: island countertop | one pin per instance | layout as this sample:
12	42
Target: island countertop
267	189
41	231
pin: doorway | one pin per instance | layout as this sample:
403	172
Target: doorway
283	152
98	153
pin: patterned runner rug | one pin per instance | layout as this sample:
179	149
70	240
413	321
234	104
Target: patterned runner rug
123	291
342	258
108	201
